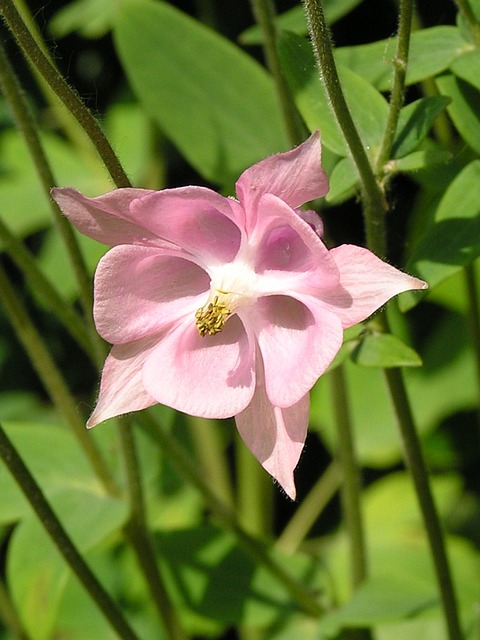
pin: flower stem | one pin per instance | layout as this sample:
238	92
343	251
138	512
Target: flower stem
400	62
418	471
351	484
21	110
60	538
137	533
305	599
59	86
373	199
51	378
264	12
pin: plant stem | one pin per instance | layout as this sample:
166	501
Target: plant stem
59	86
470	18
400	62
309	509
304	597
418	471
373	199
21	110
351	484
264	12
474	317
60	538
138	535
51	378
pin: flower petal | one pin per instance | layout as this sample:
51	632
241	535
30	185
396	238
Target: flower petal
139	290
209	376
295	176
297	342
366	283
121	388
275	436
106	218
196	219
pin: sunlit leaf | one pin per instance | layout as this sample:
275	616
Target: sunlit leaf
384	350
463	108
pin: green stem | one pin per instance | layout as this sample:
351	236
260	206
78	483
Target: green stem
418	471
305	599
51	378
26	124
264	12
373	199
474	315
309	509
470	18
351	484
60	538
138	535
59	86
400	62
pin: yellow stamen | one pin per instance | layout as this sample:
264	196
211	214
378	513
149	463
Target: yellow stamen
212	317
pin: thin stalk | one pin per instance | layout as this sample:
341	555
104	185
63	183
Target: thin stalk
372	196
400	62
264	12
309	509
139	537
254	493
61	539
474	316
27	126
470	18
351	481
60	87
51	378
418	471
303	596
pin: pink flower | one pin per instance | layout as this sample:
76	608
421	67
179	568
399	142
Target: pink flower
220	307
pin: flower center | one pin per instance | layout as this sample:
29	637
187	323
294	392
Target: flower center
211	317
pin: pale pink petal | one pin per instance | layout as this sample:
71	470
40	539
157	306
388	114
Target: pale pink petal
121	387
195	218
297	342
106	218
209	376
275	436
295	176
366	283
140	290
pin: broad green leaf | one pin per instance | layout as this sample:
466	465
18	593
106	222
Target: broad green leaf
91	18
466	67
214	102
431	52
343	180
427	157
384	350
464	107
295	21
415	122
369	108
453	240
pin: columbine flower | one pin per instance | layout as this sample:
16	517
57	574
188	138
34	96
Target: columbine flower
220	307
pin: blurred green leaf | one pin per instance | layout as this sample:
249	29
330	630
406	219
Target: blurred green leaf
466	67
415	122
463	108
370	107
91	18
212	100
431	52
384	350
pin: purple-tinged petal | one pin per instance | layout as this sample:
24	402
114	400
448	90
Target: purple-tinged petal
121	387
106	218
297	342
140	290
295	177
209	376
275	436
366	283
196	219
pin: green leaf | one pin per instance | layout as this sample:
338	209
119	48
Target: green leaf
343	181
453	240
431	52
466	67
384	350
91	18
212	100
369	108
427	157
415	122
464	108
